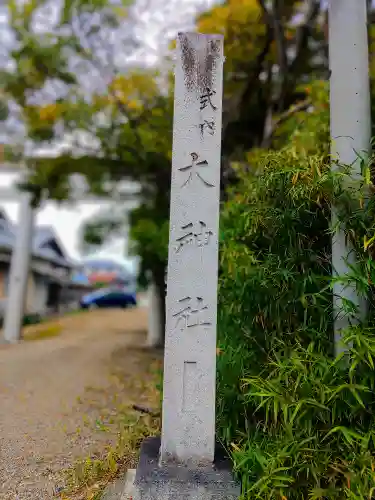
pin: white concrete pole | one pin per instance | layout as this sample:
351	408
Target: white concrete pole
19	272
188	426
154	334
350	131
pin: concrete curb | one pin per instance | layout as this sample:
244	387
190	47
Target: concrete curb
129	485
122	488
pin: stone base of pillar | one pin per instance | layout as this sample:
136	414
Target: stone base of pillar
172	481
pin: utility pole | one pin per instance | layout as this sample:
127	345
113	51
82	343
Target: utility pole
19	272
350	134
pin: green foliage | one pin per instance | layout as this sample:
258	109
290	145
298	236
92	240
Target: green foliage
298	421
308	129
258	36
130	117
149	236
315	433
274	268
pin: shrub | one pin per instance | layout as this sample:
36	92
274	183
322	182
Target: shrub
315	431
32	319
298	421
274	268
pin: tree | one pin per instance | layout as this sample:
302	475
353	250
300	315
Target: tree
108	128
116	124
268	54
258	39
146	155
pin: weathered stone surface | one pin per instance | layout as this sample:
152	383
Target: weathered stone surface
188	427
185	464
182	482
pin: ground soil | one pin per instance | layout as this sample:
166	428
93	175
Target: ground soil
53	389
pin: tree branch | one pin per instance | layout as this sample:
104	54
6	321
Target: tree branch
89	52
313	9
301	106
282	59
253	80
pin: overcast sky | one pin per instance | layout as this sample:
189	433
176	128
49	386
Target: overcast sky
155	23
66	220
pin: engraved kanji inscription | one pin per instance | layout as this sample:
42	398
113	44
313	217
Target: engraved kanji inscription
209	126
200	236
205	99
194	169
191	313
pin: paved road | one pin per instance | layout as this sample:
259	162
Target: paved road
42	385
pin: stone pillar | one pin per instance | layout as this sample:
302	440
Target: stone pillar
190	343
19	272
185	463
351	135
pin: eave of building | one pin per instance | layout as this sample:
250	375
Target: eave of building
37	267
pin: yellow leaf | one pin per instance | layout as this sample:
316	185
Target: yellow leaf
133	104
50	112
367	243
367	175
120	11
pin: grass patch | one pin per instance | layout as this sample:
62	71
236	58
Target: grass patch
44	331
75	312
89	476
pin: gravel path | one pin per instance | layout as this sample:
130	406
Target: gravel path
43	385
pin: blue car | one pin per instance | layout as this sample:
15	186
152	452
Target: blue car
109	297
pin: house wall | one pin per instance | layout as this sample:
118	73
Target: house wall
72	294
30	294
37	293
36	296
3	281
3	288
37	288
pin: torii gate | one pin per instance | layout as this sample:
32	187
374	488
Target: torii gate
20	260
350	133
